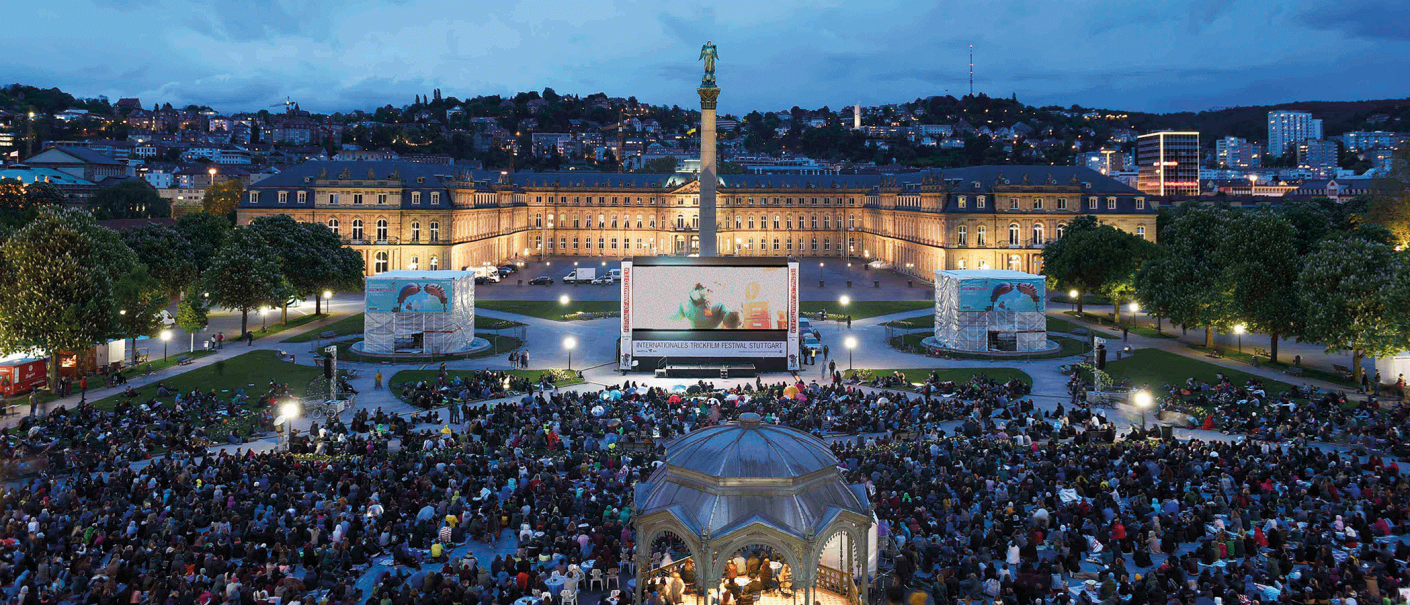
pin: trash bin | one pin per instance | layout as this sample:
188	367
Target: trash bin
849	283
521	282
876	283
820	284
909	283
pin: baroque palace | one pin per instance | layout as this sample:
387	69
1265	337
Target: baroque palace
404	215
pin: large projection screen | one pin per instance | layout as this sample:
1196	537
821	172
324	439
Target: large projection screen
707	308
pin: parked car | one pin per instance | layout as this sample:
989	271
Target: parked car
542	280
166	318
811	343
508	269
604	280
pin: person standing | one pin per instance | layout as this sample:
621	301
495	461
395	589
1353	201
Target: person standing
377	381
33	402
524	359
1378	383
824	352
220	340
849	322
83	389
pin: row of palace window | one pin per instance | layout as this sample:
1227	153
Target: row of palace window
302	196
602	200
612	243
780	222
1015	263
357	232
1015	234
381	262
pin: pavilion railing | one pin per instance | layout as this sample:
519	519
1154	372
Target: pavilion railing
837	581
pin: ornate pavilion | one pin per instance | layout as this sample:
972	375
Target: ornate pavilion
748	487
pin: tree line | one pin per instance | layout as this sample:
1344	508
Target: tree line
68	283
1316	271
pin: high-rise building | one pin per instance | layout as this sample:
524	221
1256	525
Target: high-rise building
1105	161
1317	156
1359	141
1288	128
1168	163
1235	152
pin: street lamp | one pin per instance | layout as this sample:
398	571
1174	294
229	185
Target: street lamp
166	335
851	343
288	413
563	299
569	343
1240	329
1142	400
1072	298
262	311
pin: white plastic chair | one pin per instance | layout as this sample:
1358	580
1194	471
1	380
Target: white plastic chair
569	597
596	580
614	576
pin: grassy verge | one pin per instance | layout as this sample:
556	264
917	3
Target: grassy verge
491	323
1057	297
562	377
911	323
552	309
919	375
1154	368
1067	347
1106	322
271	329
1067	326
250	371
502	346
861	309
1246	356
342	327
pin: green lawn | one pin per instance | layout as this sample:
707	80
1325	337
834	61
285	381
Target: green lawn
919	375
1153	368
563	377
1060	297
861	309
504	345
911	323
270	327
343	327
250	371
551	309
1106	323
1067	326
1246	356
492	323
1067	347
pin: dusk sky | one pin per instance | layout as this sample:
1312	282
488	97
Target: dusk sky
1152	55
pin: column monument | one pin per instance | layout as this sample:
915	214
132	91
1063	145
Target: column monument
709	92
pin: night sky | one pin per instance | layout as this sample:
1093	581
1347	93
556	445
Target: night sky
1148	55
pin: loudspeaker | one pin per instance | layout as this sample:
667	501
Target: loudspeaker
1101	357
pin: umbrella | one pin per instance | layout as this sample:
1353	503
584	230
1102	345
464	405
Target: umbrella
790	391
674	399
731	397
883	401
714	401
680	388
800	397
598	411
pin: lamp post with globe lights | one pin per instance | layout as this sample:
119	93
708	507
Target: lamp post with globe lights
851	343
569	343
1142	400
288	412
1240	329
1072	299
166	336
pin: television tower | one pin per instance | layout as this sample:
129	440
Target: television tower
971	70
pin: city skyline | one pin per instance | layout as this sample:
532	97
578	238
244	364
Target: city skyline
359	57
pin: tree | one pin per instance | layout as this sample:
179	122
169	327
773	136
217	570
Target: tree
140	297
132	198
1353	295
1261	263
311	257
43	195
1186	284
167	254
222	198
1095	258
192	314
661	165
206	233
1389	205
244	275
56	288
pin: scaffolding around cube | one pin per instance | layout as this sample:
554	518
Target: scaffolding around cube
990	311
419	313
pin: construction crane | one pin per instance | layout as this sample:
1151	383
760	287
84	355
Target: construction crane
288	104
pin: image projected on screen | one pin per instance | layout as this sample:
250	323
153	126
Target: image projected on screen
710	298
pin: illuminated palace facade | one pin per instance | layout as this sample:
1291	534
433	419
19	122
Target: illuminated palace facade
403	215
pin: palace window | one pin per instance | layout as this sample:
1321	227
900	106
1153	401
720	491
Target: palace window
435	198
415	232
283	197
1141	231
357	199
961	264
1013	203
381	230
751	222
1037	203
1092	203
601	221
1062	203
962	236
254	197
333	199
961	202
357	229
978	201
415	263
776	221
333	225
1111	203
380	263
575	243
538	221
435	263
435	232
381	199
1013	234
614	240
416	198
1140	203
827	222
1037	233
1015	263
601	243
813	220
979	236
614	221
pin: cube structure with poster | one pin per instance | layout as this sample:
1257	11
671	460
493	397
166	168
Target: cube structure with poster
989	310
419	312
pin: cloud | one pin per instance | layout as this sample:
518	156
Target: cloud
1366	19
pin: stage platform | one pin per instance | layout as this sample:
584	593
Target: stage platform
707	370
